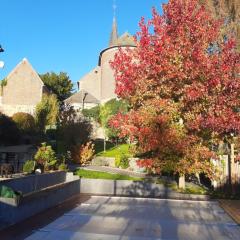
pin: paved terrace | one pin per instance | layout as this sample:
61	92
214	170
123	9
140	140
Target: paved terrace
122	218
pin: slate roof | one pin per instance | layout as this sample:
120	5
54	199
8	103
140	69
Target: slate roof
79	96
126	39
123	40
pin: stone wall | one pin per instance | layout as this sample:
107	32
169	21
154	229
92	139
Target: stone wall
23	90
107	77
9	110
24	86
78	106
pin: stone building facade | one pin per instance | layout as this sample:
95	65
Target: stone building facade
100	81
23	91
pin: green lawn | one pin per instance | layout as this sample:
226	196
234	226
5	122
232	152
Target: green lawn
116	150
190	188
98	146
103	175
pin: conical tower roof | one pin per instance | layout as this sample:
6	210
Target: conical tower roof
114	34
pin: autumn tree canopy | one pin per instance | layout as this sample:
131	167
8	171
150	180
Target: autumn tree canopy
182	82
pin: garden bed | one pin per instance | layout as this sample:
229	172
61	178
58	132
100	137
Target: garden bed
39	192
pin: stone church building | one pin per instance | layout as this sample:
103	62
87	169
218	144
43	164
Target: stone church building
23	90
98	86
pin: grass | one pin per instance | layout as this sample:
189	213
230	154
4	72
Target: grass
195	189
98	146
190	188
104	175
116	150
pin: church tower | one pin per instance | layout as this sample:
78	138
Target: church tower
107	74
100	82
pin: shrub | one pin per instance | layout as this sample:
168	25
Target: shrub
7	192
28	166
24	121
9	133
83	154
117	160
73	129
46	156
92	113
124	162
63	167
121	160
47	112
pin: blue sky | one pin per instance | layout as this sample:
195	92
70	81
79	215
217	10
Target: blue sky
64	35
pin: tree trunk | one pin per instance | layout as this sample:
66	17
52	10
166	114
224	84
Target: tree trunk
198	177
181	181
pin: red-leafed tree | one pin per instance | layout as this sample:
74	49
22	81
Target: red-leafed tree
183	85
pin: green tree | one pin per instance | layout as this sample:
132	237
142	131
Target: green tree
47	112
92	113
59	84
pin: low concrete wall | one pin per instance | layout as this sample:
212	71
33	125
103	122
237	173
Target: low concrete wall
36	202
132	188
31	183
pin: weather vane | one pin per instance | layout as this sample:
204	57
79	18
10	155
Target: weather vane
114	8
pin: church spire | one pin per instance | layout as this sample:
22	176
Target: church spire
114	33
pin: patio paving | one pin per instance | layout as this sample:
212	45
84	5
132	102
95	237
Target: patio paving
122	218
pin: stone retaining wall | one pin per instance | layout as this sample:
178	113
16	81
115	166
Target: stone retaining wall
103	161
